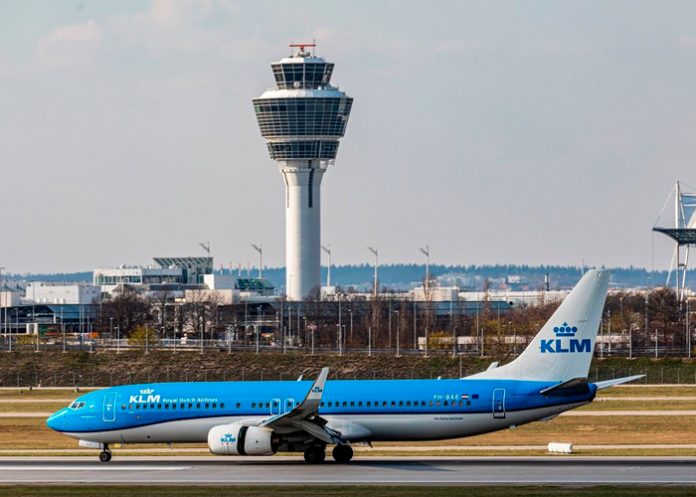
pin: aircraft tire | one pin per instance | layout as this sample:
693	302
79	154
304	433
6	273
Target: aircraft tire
342	454
314	454
105	456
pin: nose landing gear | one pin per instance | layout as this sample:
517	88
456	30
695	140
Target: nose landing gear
105	454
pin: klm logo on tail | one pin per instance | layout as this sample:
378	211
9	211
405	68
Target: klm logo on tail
565	342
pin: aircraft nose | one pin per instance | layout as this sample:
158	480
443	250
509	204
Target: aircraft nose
56	421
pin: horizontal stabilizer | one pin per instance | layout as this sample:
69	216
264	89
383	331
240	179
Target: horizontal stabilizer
575	386
601	385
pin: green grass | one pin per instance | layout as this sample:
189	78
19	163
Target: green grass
347	491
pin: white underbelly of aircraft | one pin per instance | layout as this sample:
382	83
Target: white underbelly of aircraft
383	427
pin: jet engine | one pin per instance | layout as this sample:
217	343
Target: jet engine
236	439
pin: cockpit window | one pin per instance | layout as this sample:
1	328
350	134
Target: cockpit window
77	405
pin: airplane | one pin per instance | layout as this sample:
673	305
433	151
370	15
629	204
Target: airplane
256	418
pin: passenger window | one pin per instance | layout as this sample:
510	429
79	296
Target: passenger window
422	403
408	403
190	406
431	403
159	406
130	407
345	403
181	406
166	406
207	405
445	403
222	405
321	404
360	403
401	403
393	404
152	406
239	405
144	406
329	403
253	405
137	406
437	403
475	396
123	407
198	406
468	403
384	403
352	403
173	406
369	404
268	405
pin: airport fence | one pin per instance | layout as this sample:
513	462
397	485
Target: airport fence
40	378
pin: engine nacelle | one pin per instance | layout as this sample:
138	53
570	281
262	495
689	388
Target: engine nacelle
236	439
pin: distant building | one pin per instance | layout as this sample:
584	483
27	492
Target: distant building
56	293
176	271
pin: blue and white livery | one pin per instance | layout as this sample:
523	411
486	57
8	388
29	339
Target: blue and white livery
261	418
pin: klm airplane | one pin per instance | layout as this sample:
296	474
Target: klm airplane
261	418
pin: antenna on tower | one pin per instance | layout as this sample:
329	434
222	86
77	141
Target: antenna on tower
302	46
205	246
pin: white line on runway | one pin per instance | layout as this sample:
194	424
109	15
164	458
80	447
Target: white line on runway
92	468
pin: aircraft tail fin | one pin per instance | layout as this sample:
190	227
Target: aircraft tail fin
563	349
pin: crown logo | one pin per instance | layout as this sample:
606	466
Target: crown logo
565	331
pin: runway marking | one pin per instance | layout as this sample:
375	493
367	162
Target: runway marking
92	468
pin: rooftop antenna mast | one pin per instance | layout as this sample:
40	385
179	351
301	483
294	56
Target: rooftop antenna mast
205	246
302	46
259	249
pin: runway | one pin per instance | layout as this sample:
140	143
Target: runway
362	471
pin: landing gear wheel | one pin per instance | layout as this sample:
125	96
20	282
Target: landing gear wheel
342	454
105	456
314	454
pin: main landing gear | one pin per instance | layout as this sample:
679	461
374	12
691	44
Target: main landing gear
315	454
342	454
105	455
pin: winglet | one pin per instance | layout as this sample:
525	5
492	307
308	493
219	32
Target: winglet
308	407
601	385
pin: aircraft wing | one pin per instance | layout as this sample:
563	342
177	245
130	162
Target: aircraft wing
305	416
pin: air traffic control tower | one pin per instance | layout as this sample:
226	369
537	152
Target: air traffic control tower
302	119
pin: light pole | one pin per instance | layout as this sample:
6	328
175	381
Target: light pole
426	252
118	338
350	314
4	301
375	252
259	249
390	322
398	332
312	327
327	249
688	332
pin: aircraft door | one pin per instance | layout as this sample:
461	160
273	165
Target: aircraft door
275	407
109	408
499	403
289	404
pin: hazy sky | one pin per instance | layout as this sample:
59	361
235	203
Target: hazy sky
521	132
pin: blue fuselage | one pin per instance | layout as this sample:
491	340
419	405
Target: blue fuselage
387	409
